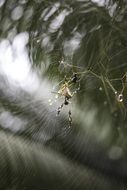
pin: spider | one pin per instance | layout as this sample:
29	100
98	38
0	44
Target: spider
65	91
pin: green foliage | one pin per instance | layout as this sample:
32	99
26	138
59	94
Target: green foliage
65	37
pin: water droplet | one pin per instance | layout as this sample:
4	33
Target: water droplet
120	98
100	89
56	96
38	40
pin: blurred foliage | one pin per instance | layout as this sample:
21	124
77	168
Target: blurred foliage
87	37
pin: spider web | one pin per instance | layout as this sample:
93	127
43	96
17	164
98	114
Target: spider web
64	38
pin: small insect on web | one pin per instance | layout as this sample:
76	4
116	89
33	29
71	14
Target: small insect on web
65	90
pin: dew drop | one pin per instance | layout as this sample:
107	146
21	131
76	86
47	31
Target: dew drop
100	89
120	98
38	40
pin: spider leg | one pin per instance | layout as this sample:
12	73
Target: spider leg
78	86
66	102
77	89
59	83
59	109
70	118
53	92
